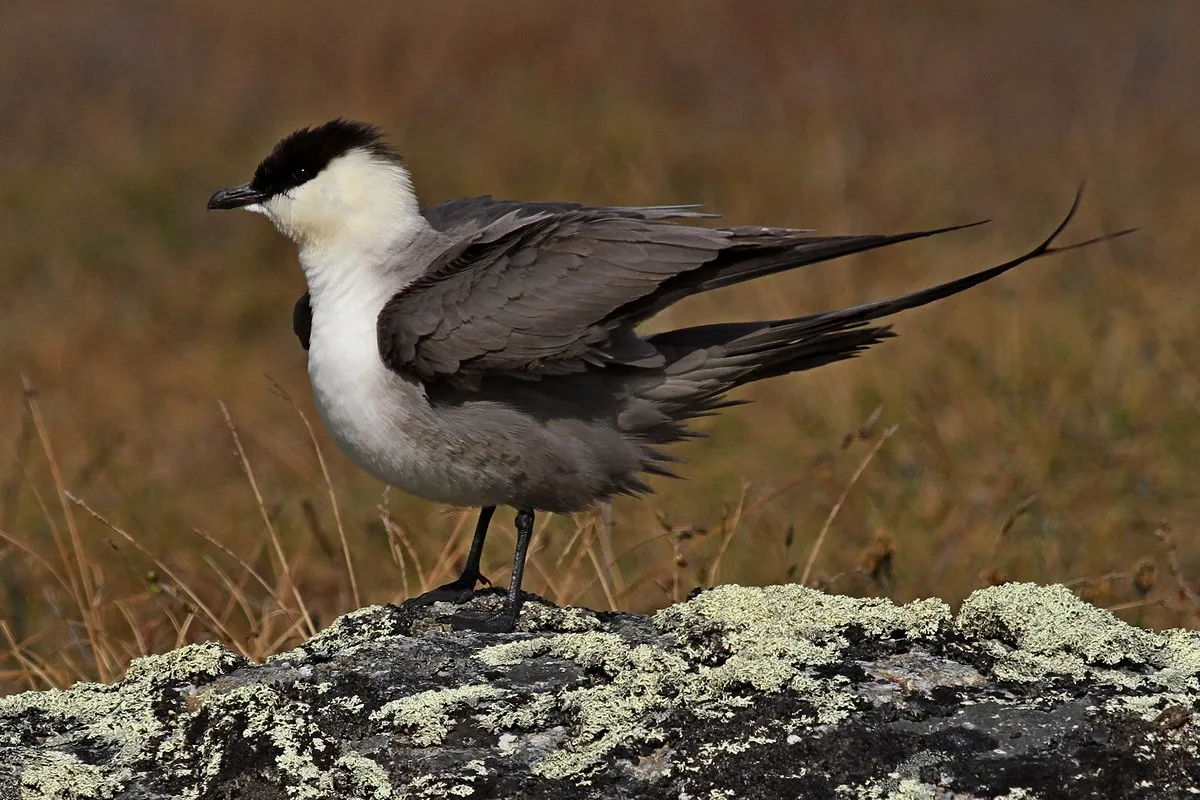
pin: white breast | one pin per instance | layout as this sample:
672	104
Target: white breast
379	419
351	384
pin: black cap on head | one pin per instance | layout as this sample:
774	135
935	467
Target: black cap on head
300	156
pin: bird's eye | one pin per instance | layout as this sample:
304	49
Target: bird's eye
302	174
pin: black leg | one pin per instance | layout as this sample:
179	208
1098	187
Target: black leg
459	589
470	570
504	620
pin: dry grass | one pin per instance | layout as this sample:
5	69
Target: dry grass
134	313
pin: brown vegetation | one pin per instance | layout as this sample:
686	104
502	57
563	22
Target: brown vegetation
1045	426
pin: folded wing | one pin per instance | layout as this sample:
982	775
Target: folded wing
546	289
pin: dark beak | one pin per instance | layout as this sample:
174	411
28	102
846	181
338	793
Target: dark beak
236	197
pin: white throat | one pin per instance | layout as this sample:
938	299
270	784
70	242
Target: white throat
354	224
349	222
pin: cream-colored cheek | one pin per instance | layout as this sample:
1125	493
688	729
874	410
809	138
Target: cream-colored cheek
281	211
313	219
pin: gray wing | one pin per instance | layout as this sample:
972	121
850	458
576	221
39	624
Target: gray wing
477	212
544	289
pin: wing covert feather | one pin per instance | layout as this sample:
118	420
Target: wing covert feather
535	294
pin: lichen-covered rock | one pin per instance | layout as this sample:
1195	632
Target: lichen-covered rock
775	692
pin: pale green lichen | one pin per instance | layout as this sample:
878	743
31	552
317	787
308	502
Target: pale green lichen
51	775
264	714
1045	631
369	780
903	783
912	789
429	713
432	786
352	703
1050	620
536	617
708	749
121	716
525	714
1053	632
195	662
892	787
1149	707
348	633
770	636
794	610
606	715
769	631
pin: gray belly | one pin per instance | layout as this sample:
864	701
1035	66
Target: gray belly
473	452
377	420
479	456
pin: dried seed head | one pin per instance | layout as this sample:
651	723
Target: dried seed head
1095	591
1145	577
876	559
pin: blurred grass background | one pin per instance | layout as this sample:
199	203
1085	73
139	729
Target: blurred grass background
1048	425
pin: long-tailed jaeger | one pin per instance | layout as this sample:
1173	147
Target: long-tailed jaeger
485	352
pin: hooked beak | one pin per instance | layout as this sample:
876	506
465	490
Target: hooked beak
236	197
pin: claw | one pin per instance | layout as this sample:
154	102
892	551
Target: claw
502	621
442	594
457	591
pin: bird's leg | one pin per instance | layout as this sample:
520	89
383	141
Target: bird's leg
504	620
459	589
470	571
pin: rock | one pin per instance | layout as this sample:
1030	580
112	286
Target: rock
774	692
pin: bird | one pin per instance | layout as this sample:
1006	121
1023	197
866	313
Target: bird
484	352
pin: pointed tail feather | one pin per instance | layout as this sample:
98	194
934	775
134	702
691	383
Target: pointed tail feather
759	252
717	358
857	315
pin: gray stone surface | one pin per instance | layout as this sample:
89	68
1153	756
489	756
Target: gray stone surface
776	692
